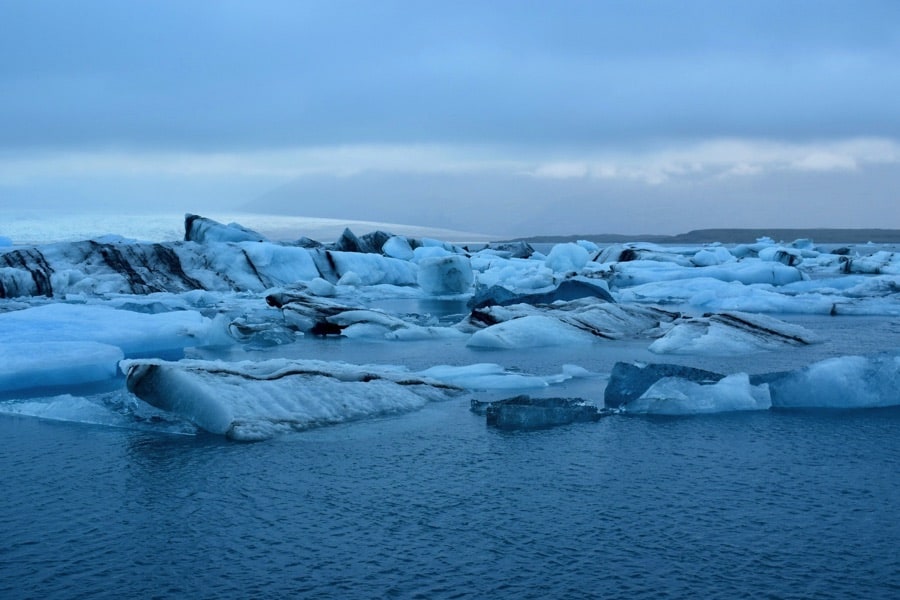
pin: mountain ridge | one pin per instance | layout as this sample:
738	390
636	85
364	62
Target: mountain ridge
734	236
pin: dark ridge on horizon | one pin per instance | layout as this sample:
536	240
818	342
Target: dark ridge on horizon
733	236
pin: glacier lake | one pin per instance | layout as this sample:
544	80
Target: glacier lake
367	475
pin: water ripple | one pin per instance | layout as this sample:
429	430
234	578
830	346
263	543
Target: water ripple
434	505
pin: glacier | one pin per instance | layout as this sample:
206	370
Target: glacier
204	328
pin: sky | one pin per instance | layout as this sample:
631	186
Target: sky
504	117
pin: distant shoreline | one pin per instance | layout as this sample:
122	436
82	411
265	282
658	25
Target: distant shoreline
733	236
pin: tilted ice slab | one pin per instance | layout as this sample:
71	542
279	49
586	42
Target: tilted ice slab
730	333
675	396
47	364
877	295
323	316
840	382
748	271
255	400
578	321
117	409
134	333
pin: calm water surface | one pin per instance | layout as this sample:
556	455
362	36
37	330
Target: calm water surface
435	505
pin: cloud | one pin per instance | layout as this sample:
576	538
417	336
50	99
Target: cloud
229	76
709	160
718	159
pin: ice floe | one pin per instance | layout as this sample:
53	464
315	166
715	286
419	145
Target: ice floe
70	312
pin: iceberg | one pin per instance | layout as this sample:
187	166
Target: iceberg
255	400
135	333
628	382
844	382
840	382
47	364
730	333
577	321
202	230
568	289
70	312
678	396
445	275
527	413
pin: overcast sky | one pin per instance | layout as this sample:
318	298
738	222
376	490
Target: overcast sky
502	117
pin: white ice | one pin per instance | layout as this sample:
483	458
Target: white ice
92	320
529	332
134	333
42	364
675	396
255	400
720	335
841	382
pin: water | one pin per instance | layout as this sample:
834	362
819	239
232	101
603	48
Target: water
433	504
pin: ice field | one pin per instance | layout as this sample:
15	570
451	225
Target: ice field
72	311
447	420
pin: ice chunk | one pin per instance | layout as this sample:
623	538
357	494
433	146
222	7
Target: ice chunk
524	413
593	316
202	230
444	275
716	255
677	396
279	265
567	257
628	381
256	400
66	408
320	287
749	271
135	333
32	365
529	332
373	269
488	376
730	333
568	289
841	382
398	247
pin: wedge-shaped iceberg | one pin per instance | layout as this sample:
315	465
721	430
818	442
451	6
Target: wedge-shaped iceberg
676	396
135	333
730	333
256	400
628	381
841	382
46	364
568	289
578	321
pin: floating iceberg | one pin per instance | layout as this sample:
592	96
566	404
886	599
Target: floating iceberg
256	400
676	396
576	322
37	365
730	333
136	333
525	413
840	382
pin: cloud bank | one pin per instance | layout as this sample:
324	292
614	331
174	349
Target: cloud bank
504	116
